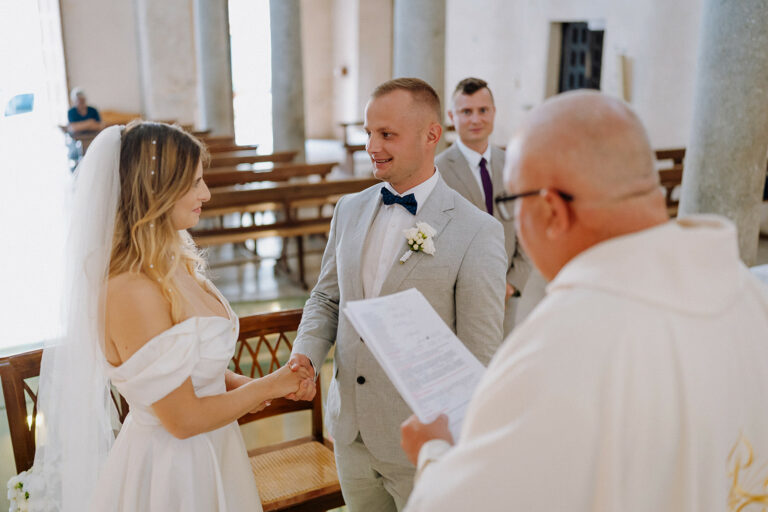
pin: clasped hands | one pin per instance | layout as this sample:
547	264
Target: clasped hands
301	366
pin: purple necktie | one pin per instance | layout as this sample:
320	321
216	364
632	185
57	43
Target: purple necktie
487	186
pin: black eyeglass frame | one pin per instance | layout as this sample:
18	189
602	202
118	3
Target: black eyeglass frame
508	214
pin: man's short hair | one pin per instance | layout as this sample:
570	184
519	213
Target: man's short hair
470	86
421	92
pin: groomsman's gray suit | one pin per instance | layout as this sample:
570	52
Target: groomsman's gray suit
521	273
463	281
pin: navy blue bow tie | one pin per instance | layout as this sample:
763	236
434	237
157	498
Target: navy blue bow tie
408	202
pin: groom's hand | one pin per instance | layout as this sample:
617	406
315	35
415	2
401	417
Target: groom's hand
307	388
413	435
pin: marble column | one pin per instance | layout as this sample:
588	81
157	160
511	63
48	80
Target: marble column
419	41
167	60
214	67
726	158
287	76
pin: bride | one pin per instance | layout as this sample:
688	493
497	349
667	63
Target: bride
143	316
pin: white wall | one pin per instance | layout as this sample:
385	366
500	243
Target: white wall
345	52
375	40
507	44
101	53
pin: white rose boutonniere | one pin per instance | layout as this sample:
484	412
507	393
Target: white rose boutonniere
419	238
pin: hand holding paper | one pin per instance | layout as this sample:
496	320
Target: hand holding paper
430	367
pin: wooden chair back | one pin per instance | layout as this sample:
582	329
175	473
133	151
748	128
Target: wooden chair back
260	343
17	374
261	339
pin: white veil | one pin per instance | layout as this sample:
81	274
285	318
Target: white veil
74	431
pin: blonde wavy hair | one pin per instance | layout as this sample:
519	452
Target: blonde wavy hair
157	167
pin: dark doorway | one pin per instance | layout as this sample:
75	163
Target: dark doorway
581	57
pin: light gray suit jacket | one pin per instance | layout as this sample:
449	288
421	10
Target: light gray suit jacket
461	281
521	273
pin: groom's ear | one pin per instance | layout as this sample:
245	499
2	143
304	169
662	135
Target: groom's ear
434	131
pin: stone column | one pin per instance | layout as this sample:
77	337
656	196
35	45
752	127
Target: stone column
419	42
214	66
287	76
726	158
167	60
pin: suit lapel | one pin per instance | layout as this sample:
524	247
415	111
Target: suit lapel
358	233
497	170
463	173
434	213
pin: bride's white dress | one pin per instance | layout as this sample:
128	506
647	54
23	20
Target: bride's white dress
148	469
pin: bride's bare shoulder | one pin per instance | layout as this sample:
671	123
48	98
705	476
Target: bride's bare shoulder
136	311
129	287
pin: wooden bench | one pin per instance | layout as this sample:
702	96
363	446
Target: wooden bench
292	476
228	159
221	148
225	176
676	155
286	199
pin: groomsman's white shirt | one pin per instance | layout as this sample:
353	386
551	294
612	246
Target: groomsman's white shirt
638	384
473	159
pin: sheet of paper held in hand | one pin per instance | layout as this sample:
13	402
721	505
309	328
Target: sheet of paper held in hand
430	367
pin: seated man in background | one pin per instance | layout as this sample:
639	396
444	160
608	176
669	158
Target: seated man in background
82	117
639	382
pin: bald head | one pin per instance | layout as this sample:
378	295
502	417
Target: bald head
595	149
588	144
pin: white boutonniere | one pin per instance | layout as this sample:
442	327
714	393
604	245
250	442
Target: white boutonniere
419	238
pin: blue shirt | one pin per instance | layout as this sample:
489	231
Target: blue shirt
74	116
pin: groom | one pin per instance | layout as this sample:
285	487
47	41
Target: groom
463	281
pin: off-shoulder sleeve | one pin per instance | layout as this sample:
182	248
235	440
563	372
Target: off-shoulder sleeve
161	365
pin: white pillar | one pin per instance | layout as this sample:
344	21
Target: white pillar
419	41
287	76
726	159
214	66
167	60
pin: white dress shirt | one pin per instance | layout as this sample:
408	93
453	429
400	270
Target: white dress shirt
473	158
385	241
637	385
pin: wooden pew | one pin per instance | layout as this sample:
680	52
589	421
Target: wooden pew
293	476
286	198
214	150
224	176
677	155
670	179
228	159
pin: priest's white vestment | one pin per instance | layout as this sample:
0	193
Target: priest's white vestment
640	383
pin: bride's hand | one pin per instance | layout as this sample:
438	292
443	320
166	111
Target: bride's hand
286	381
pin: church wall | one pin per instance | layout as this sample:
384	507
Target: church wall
345	55
375	41
101	54
649	55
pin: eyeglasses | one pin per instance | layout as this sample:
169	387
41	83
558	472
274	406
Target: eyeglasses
506	206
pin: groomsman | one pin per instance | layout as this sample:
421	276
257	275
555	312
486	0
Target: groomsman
462	280
473	168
